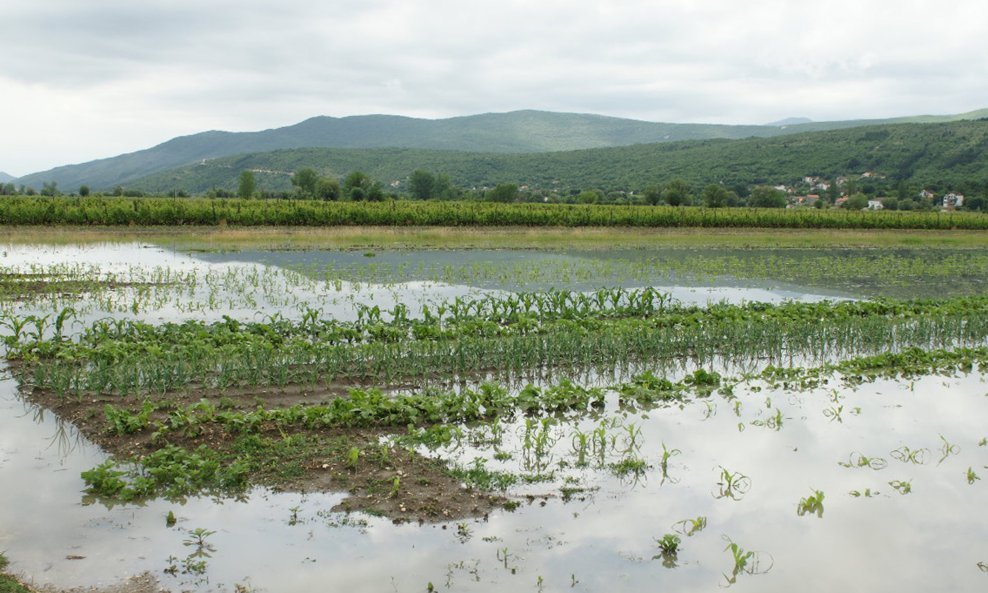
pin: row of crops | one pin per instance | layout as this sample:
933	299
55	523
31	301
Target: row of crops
470	338
35	210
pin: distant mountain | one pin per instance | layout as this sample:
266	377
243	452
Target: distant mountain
514	132
939	154
5	178
791	121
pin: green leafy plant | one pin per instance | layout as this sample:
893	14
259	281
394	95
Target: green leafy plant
902	487
732	485
971	476
669	546
689	527
812	504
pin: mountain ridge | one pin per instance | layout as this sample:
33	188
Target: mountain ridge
953	153
519	132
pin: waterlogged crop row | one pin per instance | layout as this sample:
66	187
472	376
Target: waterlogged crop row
193	211
520	313
131	358
431	417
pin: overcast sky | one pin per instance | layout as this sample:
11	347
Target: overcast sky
81	80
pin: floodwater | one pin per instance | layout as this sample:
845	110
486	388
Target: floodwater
600	538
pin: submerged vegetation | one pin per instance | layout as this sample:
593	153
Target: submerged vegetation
515	335
134	379
444	408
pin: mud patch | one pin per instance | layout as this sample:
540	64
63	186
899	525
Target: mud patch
380	477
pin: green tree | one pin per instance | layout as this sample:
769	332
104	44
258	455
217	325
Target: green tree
858	201
247	185
715	196
588	197
327	188
421	184
49	188
975	203
833	192
504	192
83	190
307	182
376	192
357	181
764	196
677	193
653	194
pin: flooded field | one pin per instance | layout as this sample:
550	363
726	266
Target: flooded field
675	435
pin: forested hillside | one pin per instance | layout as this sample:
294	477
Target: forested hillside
939	155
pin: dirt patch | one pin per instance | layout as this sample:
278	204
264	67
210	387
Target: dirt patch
144	583
24	286
380	477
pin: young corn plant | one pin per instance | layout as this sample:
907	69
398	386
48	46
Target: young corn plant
913	456
745	562
667	454
732	485
902	487
971	476
947	449
669	546
689	527
812	504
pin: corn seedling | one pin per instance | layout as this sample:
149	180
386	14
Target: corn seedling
352	458
902	487
773	422
745	562
914	456
812	504
580	443
947	449
732	485
856	459
867	493
632	435
689	527
833	413
669	545
971	476
667	454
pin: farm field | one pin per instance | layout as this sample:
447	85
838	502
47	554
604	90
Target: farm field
440	410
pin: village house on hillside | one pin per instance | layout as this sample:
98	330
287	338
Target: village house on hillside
952	201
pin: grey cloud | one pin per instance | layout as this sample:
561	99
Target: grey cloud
252	64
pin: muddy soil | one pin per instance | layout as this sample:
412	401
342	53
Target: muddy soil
389	480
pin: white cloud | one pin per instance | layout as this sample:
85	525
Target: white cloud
94	79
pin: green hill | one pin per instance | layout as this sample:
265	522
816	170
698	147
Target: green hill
940	154
501	133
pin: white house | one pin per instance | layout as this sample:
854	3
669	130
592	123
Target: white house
953	201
